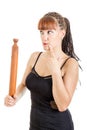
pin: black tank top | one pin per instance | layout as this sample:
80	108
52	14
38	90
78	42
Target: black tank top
44	114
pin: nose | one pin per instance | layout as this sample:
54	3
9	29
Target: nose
44	37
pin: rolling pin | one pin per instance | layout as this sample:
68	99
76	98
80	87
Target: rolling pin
13	68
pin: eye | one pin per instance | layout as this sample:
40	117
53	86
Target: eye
50	31
41	32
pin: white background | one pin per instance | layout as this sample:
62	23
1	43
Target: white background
19	19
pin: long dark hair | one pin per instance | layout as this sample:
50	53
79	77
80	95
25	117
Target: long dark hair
67	43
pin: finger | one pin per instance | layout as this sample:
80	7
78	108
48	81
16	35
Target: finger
51	51
15	96
10	104
12	97
9	101
50	48
9	97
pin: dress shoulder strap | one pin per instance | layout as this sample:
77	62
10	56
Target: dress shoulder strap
37	59
65	62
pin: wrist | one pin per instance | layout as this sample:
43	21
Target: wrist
56	72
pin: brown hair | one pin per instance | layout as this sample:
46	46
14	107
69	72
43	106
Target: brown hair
50	21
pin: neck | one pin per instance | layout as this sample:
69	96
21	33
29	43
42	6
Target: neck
59	54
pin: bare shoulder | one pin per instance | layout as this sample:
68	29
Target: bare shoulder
72	64
34	55
33	58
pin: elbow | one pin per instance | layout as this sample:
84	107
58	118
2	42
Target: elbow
63	106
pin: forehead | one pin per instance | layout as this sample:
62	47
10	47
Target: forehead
47	22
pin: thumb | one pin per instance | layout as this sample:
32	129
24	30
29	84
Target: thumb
15	96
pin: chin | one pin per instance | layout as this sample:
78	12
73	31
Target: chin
46	48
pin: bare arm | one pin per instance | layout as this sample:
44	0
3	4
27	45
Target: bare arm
10	101
63	88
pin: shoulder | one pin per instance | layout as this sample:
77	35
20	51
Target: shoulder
33	57
34	54
72	65
72	62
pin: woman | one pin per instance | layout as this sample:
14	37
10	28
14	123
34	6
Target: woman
51	76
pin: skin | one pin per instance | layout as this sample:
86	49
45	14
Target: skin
50	63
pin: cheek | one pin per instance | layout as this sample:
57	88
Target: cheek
55	41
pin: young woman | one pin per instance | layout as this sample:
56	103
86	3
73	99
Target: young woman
51	76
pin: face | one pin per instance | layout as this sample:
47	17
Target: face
51	37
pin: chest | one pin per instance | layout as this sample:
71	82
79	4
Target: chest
39	85
42	69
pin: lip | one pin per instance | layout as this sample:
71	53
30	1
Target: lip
45	44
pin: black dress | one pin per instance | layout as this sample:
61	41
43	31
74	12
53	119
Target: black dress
43	116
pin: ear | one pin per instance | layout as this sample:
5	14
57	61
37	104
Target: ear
63	32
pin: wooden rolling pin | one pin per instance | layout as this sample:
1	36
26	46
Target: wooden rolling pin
13	69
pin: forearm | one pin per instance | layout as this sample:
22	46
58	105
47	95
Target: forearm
60	94
20	91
